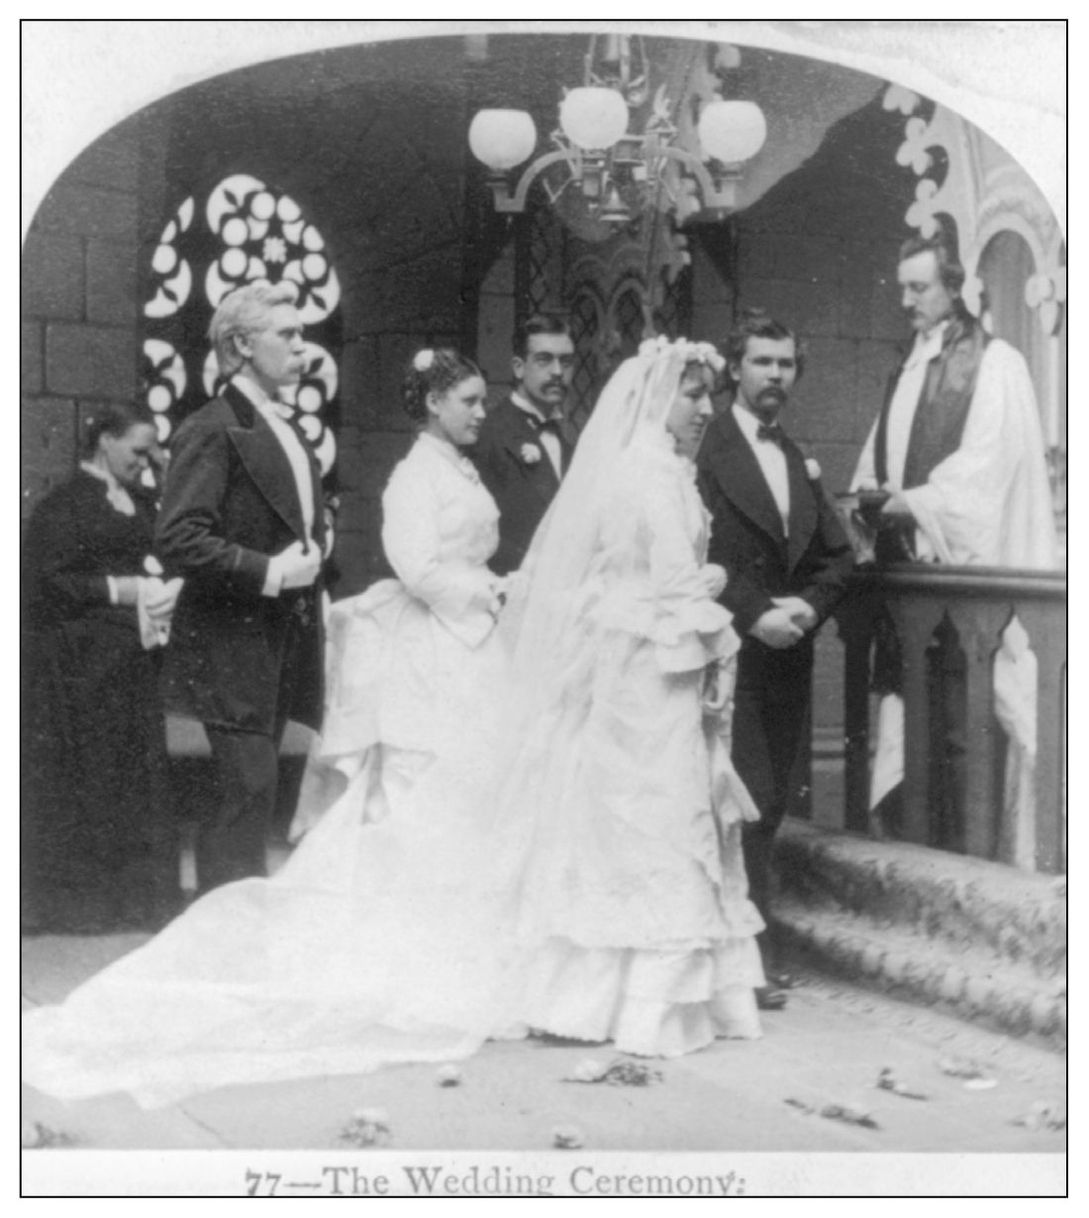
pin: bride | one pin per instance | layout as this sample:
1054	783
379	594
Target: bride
519	816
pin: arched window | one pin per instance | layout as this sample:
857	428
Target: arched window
243	230
1005	267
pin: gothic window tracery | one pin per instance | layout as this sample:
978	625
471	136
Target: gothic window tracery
245	230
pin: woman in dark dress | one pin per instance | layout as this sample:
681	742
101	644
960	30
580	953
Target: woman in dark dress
98	841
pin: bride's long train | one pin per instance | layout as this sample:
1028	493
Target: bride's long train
379	942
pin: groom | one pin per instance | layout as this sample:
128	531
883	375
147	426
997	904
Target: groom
786	559
526	442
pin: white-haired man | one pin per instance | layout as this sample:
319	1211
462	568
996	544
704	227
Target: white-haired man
242	522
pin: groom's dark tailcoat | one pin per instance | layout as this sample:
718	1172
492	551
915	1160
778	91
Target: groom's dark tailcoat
521	488
813	561
239	661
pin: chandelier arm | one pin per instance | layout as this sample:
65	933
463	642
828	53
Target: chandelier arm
714	196
505	201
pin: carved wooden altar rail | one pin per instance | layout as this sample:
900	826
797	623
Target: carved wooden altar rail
978	602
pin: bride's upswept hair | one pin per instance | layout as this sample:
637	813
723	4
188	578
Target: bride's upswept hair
433	370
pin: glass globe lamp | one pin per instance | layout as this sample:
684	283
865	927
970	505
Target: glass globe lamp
732	131
593	118
502	138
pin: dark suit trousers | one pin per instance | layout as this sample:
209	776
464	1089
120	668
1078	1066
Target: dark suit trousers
771	716
246	766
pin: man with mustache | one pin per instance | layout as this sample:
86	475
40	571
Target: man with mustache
787	559
958	449
526	442
242	522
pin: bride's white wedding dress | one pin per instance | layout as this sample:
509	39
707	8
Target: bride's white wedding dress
633	890
555	846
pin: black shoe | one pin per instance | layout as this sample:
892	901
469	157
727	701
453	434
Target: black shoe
770	999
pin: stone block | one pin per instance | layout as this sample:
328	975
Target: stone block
495	325
789	255
112	161
361	298
886	317
394	352
53	275
858	276
755	253
710	286
394	170
358	382
712	321
31	357
423	295
157	200
499	280
418	220
88	211
351	468
90	361
111	282
876	363
807	306
48	449
824	399
380	451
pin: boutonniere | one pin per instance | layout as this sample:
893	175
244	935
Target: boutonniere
530	454
812	469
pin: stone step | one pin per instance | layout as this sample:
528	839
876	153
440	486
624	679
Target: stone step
970	903
989	992
976	939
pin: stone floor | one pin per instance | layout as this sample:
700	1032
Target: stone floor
751	1103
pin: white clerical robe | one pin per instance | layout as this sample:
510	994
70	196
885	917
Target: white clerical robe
987	504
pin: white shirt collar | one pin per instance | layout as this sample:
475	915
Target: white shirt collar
251	390
748	422
525	404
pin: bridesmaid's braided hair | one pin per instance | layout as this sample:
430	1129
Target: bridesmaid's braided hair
433	370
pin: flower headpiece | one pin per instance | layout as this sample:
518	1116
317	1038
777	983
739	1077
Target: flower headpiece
423	360
693	353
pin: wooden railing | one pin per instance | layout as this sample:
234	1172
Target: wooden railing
977	603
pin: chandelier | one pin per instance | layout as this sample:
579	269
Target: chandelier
619	173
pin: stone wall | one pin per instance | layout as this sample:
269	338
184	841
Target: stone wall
79	306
